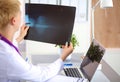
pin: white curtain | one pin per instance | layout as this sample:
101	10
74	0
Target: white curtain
43	1
81	7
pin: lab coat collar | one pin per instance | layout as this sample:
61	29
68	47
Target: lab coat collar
9	43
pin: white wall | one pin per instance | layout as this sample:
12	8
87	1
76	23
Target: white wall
82	31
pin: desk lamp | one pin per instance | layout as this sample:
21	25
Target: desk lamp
103	4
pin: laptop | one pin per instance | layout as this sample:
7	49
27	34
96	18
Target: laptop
89	64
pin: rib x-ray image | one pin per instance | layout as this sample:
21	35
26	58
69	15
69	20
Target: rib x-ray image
50	23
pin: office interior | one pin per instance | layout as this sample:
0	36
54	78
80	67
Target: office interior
107	32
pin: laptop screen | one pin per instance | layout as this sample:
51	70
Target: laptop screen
92	59
50	23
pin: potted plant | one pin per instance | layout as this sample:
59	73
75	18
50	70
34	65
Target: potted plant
74	42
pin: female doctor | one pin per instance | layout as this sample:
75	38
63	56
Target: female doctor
13	68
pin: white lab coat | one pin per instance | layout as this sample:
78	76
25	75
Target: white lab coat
14	68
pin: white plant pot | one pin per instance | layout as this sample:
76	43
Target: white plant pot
60	53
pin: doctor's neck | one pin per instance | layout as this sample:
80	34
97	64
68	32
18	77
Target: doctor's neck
8	33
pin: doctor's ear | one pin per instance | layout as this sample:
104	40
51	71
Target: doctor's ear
13	20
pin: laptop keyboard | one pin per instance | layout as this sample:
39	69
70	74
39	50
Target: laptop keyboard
72	72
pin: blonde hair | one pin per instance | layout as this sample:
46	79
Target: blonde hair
8	9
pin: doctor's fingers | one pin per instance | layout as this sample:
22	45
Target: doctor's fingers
24	28
70	45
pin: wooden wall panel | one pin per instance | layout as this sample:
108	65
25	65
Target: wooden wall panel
107	25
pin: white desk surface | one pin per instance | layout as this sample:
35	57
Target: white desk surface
112	57
111	64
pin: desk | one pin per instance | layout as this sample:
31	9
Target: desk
111	64
76	60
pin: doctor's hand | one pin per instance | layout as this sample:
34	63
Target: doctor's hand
67	50
23	32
